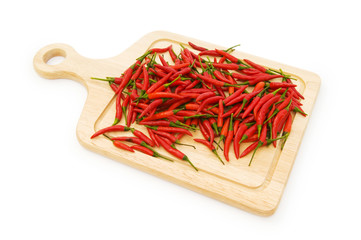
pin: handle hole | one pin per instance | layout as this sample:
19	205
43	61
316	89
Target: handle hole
54	56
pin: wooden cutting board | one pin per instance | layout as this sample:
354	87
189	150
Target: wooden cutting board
257	188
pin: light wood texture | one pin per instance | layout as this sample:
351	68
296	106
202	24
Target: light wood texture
257	188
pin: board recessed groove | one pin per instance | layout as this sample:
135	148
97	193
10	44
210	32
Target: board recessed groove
257	189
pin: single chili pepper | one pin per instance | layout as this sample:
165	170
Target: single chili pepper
161	115
209	129
210	146
212	53
236	125
229	139
262	141
224	130
263	77
179	66
229	66
249	149
213	123
151	106
195	47
250	71
192	85
228	56
255	65
220	113
126	79
275	85
175	152
113	128
172	54
159	50
171	129
121	145
259	86
287	129
118	109
129	115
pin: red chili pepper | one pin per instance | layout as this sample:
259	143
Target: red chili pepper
275	85
114	128
287	129
171	129
255	65
209	53
126	79
208	127
262	141
173	151
224	130
159	50
195	47
228	56
210	146
142	136
151	106
220	113
118	109
229	139
121	145
161	115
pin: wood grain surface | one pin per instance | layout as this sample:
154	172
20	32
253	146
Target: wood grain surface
257	188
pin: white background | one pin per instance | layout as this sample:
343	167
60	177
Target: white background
53	188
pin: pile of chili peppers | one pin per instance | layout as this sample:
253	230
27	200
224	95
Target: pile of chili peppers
229	100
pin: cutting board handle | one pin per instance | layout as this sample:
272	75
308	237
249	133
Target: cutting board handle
67	68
